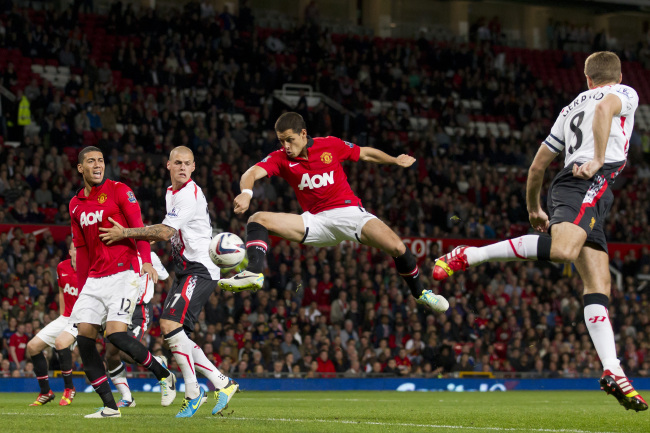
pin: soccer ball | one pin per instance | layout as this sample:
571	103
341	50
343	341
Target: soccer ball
227	250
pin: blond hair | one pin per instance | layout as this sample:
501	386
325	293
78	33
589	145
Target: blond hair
603	67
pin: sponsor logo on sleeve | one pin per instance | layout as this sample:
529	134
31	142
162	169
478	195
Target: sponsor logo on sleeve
350	145
266	158
173	213
131	197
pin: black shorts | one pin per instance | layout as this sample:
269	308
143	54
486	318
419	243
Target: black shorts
585	203
186	299
141	321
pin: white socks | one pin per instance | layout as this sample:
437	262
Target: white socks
207	369
602	335
521	248
118	376
181	346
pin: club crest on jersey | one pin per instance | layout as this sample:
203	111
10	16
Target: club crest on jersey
326	157
131	196
102	198
90	218
316	181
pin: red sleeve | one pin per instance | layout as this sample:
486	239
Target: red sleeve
59	271
272	163
346	150
83	265
77	233
131	210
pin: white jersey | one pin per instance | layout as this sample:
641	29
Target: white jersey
187	212
573	128
146	283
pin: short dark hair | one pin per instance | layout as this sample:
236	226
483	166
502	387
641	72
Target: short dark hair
290	120
85	150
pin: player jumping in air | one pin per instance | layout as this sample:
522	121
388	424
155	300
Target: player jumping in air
593	131
187	224
109	276
332	212
58	334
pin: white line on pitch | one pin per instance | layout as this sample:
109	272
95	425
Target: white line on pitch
395	424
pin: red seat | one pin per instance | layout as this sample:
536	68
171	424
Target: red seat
89	138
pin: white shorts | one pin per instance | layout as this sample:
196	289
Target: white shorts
107	299
55	328
331	227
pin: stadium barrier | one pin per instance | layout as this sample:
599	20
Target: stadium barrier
419	246
352	384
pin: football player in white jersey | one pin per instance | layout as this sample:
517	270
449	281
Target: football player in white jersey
593	130
140	323
187	225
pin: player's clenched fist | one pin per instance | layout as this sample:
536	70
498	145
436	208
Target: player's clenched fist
242	201
405	160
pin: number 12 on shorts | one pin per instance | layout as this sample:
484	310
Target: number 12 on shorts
125	308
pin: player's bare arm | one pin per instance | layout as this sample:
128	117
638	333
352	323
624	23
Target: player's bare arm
243	200
155	233
609	107
537	217
370	154
61	301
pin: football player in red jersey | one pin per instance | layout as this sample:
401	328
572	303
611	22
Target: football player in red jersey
108	275
332	212
58	334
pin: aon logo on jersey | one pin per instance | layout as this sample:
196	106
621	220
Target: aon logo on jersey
73	291
316	181
91	218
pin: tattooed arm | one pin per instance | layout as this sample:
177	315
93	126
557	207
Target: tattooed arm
157	232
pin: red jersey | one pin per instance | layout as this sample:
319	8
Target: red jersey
20	343
68	285
108	199
319	180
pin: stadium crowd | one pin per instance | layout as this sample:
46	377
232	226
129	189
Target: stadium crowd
324	311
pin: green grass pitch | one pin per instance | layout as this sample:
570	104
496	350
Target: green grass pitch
284	412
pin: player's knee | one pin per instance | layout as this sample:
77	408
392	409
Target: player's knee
60	344
32	348
166	327
259	217
565	255
395	249
398	249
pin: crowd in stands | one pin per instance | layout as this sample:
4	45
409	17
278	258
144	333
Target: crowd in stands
204	79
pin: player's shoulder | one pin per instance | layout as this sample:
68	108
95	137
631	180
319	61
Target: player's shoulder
332	142
64	266
625	90
276	155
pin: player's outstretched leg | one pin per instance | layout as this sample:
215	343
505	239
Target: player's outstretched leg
35	349
257	243
528	247
141	355
378	235
225	387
